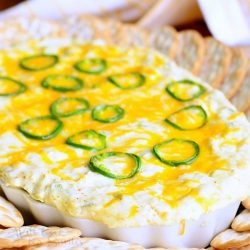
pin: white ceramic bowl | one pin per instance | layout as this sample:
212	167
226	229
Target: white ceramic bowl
197	233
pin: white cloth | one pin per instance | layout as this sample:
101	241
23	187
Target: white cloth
125	10
228	20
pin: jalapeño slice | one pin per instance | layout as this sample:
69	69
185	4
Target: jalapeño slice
189	118
91	65
11	87
176	151
62	83
115	165
39	62
107	113
88	140
185	90
68	106
41	128
127	80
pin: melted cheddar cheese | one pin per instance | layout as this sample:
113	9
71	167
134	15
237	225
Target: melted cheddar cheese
58	174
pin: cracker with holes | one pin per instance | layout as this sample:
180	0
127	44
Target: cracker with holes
87	244
35	234
235	75
242	222
216	62
231	239
165	40
9	215
191	58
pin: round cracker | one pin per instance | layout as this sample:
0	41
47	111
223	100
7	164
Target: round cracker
158	248
242	98
236	73
248	116
18	29
35	234
165	40
133	36
246	202
190	52
85	28
88	244
241	222
9	215
231	239
216	62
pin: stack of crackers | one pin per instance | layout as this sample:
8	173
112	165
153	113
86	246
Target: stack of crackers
227	69
238	236
16	236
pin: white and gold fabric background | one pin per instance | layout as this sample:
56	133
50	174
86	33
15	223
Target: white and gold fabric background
228	20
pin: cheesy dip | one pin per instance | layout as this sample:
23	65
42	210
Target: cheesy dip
118	135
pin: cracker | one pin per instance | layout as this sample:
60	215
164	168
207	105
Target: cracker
190	51
231	239
242	248
35	234
78	28
9	215
114	31
236	73
88	244
246	203
157	248
248	116
242	98
132	35
85	28
241	222
216	62
88	28
101	30
165	40
15	30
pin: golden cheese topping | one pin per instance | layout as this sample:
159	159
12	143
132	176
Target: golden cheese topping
132	82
